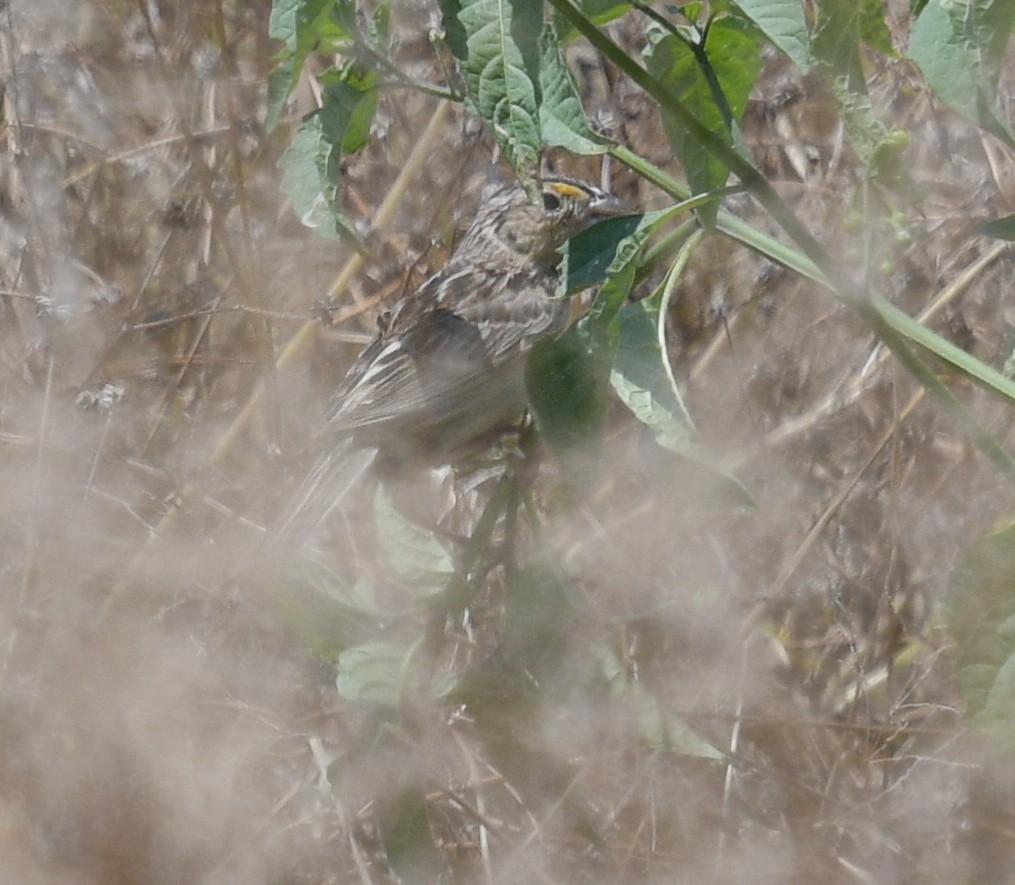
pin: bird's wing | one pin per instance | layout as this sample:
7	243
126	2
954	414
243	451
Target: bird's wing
441	348
510	309
403	373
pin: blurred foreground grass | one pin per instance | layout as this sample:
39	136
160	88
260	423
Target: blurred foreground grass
191	729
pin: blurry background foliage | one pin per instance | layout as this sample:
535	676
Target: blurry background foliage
749	613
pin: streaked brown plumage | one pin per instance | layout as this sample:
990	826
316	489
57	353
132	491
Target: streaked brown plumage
447	367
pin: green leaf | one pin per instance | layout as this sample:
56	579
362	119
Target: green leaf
310	169
607	247
374	674
566	379
300	23
840	27
836	42
959	45
410	550
280	84
729	60
641	381
589	255
312	165
349	101
561	115
784	25
497	44
304	26
1002	228
326	613
991	22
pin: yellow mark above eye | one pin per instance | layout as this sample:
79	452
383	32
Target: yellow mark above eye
567	190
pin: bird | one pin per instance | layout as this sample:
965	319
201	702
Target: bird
446	367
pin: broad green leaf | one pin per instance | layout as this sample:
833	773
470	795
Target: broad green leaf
373	674
990	24
410	550
280	83
640	379
731	57
325	612
299	22
497	44
784	24
836	42
349	101
958	45
310	170
589	255
621	270
304	26
567	379
378	26
608	247
312	165
561	115
282	20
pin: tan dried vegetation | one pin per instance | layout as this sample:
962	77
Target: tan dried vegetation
162	723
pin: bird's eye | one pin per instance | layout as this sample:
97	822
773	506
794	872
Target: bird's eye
551	202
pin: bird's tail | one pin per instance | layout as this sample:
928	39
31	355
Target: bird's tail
323	488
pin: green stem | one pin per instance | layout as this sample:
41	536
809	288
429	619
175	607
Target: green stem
714	86
871	308
669	288
734	227
751	178
664	246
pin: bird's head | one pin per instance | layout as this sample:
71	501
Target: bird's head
522	232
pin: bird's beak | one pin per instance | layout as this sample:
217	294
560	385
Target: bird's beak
606	205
